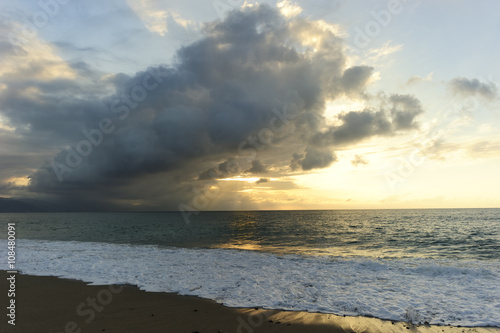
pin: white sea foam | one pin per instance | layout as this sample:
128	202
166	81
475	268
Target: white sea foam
417	290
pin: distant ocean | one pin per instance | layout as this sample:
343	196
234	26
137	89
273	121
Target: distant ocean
437	266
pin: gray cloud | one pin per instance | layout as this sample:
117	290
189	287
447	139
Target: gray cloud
405	108
262	180
355	78
470	87
223	170
169	125
359	125
223	88
257	167
295	163
313	159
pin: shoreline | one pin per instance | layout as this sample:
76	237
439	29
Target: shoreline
55	305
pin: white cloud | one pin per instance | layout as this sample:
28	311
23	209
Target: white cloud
155	15
288	8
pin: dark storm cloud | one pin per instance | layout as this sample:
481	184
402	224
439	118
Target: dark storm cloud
222	89
251	72
470	87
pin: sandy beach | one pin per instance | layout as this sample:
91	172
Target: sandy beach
54	305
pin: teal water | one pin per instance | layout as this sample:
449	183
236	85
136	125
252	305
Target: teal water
437	266
434	233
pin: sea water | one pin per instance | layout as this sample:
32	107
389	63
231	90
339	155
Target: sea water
437	266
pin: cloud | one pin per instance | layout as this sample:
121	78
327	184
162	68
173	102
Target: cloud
417	79
296	162
475	149
223	88
356	126
289	9
313	159
484	149
355	78
223	170
145	139
358	159
380	55
473	87
262	180
257	167
404	110
157	18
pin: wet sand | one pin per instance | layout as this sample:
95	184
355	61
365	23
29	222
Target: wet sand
54	305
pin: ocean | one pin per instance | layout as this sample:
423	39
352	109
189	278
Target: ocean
440	266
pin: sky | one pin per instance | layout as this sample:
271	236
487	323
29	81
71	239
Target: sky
245	105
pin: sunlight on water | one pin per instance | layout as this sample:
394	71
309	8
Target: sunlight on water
447	233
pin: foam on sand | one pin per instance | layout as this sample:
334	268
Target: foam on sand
465	293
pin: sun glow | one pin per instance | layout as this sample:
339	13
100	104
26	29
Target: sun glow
242	179
18	181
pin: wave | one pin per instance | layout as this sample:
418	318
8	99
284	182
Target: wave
444	292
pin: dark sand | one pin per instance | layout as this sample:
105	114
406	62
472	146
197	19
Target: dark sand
50	305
